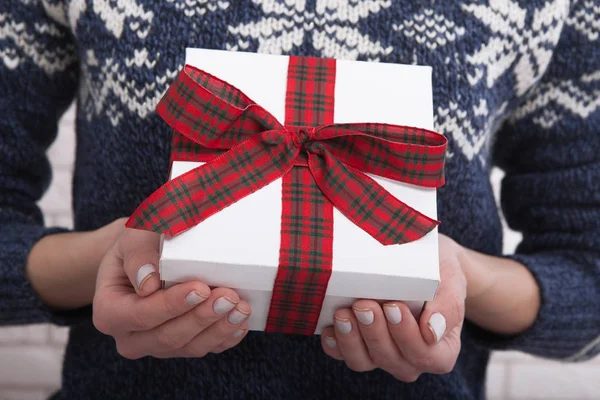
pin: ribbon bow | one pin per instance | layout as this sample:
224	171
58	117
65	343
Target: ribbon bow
212	116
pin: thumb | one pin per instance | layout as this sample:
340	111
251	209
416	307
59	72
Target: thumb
447	310
139	252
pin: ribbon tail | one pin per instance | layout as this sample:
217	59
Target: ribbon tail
189	199
366	203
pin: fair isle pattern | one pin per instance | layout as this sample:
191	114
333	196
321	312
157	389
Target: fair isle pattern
463	126
430	29
552	101
106	83
329	27
515	53
119	14
586	19
29	43
192	8
525	49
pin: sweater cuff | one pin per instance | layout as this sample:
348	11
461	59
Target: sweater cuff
19	303
568	323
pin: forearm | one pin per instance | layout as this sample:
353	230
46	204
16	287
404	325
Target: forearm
60	272
62	268
503	296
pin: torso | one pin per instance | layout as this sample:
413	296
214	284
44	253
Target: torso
484	58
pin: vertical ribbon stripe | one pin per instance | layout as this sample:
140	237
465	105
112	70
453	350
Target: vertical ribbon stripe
305	256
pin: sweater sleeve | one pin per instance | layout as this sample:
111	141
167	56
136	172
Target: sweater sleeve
38	78
550	152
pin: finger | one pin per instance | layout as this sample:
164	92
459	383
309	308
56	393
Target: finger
140	254
236	337
350	342
116	313
375	333
329	343
447	310
406	334
218	332
178	332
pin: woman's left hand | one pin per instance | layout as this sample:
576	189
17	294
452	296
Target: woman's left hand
387	336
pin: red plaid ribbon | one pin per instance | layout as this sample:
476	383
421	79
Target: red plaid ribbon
322	165
306	250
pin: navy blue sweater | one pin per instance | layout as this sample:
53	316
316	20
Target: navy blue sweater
516	84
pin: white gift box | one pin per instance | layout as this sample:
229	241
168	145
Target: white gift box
239	246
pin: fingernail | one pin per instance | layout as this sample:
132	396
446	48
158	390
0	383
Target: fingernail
343	325
437	325
237	316
364	315
331	342
145	272
222	305
238	333
392	313
194	298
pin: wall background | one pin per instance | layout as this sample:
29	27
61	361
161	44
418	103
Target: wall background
30	357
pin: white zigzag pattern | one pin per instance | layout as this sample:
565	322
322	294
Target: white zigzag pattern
114	13
28	46
555	99
512	42
586	20
454	122
286	24
349	10
113	81
433	30
199	7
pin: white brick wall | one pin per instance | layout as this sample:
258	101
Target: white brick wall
30	357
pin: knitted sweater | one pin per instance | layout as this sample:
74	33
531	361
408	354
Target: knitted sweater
516	84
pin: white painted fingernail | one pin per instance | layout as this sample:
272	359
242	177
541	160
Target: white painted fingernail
194	298
392	313
331	342
238	333
364	315
343	325
145	272
437	325
222	305
237	316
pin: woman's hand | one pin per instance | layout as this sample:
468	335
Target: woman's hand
58	261
496	293
185	320
370	336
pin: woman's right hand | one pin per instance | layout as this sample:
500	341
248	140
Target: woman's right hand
185	320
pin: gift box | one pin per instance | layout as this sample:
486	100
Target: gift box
302	183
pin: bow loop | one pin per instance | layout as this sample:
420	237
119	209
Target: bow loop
210	112
402	153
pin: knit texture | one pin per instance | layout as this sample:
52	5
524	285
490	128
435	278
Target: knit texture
516	84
